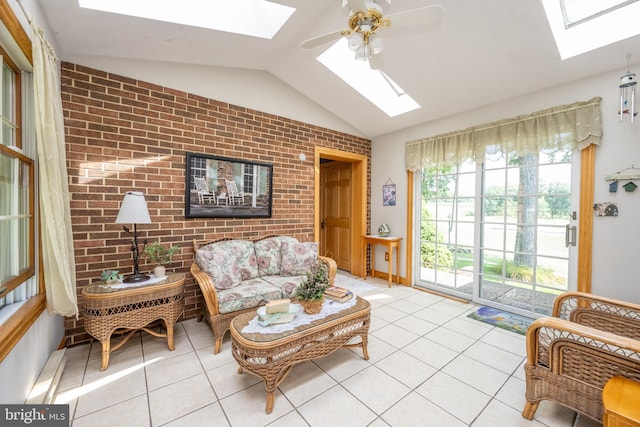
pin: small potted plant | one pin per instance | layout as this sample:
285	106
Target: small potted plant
110	276
158	255
310	293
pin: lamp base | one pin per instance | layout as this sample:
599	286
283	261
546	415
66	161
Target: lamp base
135	278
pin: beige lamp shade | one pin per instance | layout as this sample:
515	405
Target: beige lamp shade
133	209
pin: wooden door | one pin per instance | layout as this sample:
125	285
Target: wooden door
335	209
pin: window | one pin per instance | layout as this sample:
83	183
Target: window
448	226
18	245
498	225
16	189
257	18
499	206
247	180
579	26
198	170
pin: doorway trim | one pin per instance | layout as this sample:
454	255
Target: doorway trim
359	195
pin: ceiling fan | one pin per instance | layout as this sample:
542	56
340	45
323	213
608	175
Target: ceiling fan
366	18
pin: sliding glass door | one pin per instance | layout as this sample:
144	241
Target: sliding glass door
501	231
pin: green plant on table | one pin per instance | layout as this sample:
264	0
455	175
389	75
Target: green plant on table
160	255
110	275
317	281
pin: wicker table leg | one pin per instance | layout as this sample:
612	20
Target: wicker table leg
365	353
271	397
106	350
272	380
362	344
170	341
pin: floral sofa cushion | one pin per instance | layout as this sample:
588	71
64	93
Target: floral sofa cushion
268	255
298	258
228	262
286	284
249	293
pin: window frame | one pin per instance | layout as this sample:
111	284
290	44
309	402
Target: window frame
14	328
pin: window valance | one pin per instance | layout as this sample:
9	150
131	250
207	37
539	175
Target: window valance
578	124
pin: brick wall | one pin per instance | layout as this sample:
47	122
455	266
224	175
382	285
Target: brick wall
124	134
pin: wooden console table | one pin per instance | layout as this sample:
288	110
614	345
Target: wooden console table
108	310
389	243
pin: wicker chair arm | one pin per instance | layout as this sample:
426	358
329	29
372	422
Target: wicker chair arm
566	302
544	333
606	314
207	288
331	265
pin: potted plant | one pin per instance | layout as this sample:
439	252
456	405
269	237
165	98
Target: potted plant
158	255
110	276
310	293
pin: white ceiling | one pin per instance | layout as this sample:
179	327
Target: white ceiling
484	52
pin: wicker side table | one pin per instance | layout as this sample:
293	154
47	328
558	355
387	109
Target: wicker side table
107	310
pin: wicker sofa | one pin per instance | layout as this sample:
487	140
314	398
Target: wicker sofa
572	355
236	275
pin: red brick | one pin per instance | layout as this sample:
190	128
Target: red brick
124	134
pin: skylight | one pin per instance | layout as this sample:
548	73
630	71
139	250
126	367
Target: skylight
580	26
256	18
374	85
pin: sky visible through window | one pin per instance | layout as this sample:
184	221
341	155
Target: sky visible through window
576	11
257	18
580	26
377	87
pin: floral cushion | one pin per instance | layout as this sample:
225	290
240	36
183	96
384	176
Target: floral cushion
298	258
249	293
228	262
286	284
268	255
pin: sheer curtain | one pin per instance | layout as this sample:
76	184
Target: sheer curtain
578	124
55	216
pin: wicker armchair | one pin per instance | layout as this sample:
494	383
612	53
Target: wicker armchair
220	322
572	355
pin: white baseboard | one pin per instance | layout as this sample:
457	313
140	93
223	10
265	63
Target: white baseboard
44	390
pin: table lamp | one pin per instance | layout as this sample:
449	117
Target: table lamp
134	211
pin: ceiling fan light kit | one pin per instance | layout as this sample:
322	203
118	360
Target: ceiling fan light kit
362	38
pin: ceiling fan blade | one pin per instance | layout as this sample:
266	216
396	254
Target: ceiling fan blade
427	18
320	40
357	5
376	61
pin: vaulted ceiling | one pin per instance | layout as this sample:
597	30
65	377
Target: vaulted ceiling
484	52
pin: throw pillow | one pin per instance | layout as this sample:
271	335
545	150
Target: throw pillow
268	256
228	262
298	258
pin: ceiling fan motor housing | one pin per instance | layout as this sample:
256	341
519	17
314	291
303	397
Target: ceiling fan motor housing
368	22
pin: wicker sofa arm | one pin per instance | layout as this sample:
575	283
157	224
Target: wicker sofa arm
605	314
207	288
332	267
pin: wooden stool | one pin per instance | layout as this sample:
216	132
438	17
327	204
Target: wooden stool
621	400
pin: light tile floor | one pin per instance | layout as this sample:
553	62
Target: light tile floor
430	365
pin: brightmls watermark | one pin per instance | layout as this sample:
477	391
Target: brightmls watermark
34	415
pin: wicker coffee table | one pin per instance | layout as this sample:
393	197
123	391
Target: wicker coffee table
271	356
108	310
